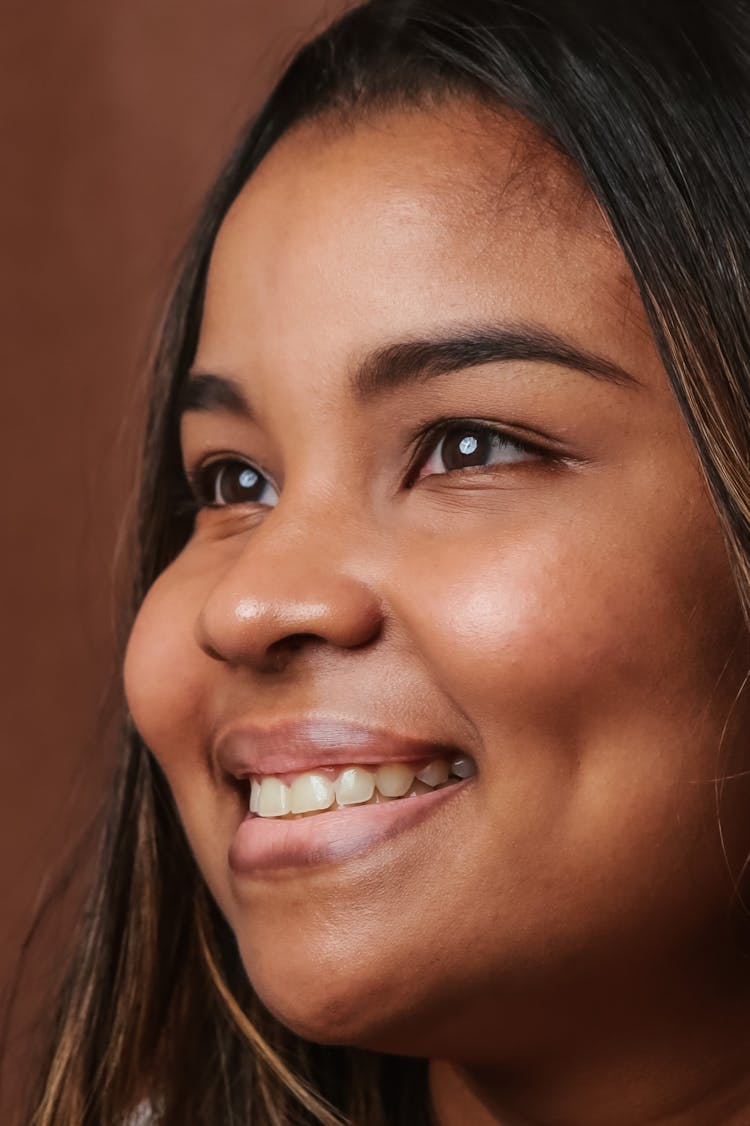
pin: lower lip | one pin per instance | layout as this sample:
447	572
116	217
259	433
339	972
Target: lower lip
265	844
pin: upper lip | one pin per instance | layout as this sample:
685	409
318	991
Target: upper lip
303	745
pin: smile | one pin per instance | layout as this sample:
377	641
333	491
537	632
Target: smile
318	790
313	792
269	845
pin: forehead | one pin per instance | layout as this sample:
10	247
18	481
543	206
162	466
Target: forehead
350	234
456	161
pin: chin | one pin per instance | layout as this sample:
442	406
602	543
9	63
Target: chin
343	1007
337	1017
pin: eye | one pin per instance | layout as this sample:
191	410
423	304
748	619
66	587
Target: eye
231	481
473	445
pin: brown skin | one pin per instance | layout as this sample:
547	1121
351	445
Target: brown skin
557	935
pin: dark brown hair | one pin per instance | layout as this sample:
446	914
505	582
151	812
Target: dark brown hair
649	99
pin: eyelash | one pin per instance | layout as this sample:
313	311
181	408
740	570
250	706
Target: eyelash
204	480
429	442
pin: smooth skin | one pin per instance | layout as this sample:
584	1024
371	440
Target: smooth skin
557	937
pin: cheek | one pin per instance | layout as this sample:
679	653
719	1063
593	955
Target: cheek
594	670
576	626
167	677
172	688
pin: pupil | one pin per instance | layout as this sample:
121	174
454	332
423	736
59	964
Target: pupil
462	449
238	484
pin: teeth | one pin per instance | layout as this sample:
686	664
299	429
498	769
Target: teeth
418	789
394	779
274	798
354	786
436	773
311	792
254	796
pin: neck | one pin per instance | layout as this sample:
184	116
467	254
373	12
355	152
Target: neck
460	1095
676	1064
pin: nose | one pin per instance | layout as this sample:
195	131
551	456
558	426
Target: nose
291	588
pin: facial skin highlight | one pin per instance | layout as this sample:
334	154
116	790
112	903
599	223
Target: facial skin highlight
566	616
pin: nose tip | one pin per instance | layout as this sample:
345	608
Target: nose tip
269	607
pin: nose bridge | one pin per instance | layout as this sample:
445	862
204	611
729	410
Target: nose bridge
299	578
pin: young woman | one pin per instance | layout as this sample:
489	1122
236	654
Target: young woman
435	802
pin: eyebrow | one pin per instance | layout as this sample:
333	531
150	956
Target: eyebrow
205	392
414	361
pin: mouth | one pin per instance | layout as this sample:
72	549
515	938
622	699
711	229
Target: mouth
310	793
271	846
321	791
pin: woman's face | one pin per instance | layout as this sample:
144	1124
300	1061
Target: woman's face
467	520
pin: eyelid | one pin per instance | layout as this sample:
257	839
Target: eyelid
430	435
421	443
195	474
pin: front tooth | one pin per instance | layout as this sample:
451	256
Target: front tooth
354	786
436	773
254	796
463	767
394	779
310	792
274	798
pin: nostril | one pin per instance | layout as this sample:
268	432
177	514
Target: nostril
280	651
294	642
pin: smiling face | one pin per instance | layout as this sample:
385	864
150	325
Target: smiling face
449	506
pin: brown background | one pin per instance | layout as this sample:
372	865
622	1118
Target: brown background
114	117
